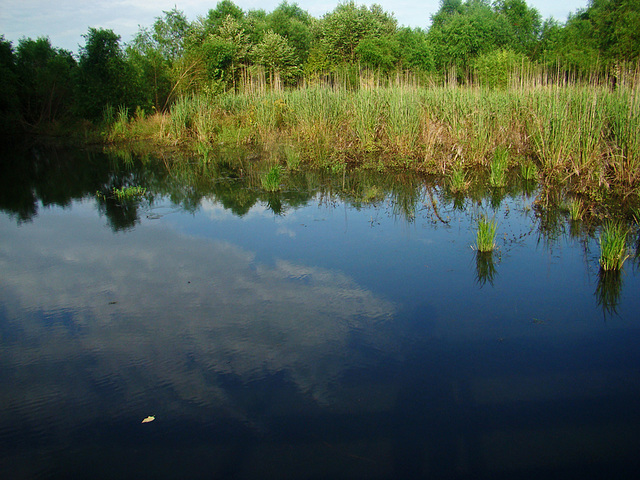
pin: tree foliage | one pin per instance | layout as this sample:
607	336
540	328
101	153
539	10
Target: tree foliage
479	40
44	77
104	77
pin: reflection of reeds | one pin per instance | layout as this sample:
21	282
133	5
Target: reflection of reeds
485	241
608	290
485	268
613	246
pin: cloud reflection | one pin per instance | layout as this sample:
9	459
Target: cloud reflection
154	307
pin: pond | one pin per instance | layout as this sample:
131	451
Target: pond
343	327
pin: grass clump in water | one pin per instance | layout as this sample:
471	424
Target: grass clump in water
576	209
499	166
271	180
485	241
529	171
129	193
458	181
613	246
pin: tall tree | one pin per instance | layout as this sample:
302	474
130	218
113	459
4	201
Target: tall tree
154	55
8	85
524	24
44	80
462	32
104	76
294	24
345	27
278	57
217	16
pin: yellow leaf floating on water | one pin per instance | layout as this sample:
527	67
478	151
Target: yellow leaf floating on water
148	419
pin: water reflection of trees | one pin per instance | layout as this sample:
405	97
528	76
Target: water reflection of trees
58	177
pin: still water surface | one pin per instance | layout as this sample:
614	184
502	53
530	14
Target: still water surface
307	334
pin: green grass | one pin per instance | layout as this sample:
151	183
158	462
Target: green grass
458	182
576	209
613	246
129	193
528	171
583	136
499	167
271	180
485	241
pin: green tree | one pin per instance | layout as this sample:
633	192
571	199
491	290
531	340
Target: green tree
294	24
44	80
104	78
278	57
345	27
170	33
414	50
154	56
496	68
462	32
216	17
524	24
8	85
615	24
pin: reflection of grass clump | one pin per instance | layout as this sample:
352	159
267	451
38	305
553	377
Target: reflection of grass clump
485	268
609	290
486	235
271	181
613	246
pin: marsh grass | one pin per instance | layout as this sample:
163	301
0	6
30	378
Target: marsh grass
528	171
485	239
292	157
576	209
588	135
613	246
458	182
271	181
499	167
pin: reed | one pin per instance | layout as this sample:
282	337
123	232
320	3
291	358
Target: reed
499	166
576	209
528	171
586	136
485	240
613	246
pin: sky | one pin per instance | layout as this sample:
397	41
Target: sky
65	21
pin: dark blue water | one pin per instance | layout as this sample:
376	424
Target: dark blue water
314	333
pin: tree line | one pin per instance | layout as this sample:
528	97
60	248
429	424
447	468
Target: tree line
471	41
